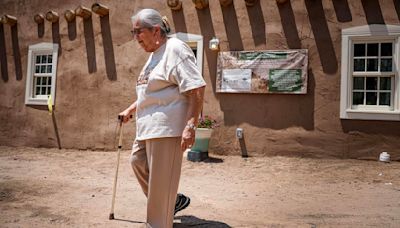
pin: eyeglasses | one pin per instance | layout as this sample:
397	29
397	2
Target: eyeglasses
136	31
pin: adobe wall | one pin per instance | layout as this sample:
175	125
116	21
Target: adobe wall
99	63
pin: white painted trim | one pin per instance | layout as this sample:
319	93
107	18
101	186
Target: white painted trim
188	37
371	30
372	115
41	48
368	33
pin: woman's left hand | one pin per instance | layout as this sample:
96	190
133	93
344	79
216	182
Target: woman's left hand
187	138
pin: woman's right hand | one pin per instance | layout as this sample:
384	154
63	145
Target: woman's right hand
125	115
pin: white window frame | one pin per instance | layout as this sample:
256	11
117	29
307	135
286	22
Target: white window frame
368	33
40	49
189	38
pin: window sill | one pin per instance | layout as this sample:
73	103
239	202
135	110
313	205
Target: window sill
36	101
371	115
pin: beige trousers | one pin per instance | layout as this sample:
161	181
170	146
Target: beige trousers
157	165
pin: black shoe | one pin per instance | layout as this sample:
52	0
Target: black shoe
182	202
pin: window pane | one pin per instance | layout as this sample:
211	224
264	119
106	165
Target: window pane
371	98
44	81
38	81
372	49
372	65
48	68
385	83
48	90
359	65
44	58
37	69
42	69
384	98
358	83
372	83
359	49
37	92
38	59
43	91
49	58
386	49
358	98
386	65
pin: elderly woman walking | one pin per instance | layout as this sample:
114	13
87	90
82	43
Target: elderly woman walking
170	92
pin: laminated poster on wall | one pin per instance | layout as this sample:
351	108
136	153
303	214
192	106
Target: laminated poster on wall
274	71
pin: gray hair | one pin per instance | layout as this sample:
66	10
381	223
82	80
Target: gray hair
149	18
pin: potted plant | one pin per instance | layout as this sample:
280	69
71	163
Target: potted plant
199	150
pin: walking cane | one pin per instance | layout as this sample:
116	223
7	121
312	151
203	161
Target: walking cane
120	121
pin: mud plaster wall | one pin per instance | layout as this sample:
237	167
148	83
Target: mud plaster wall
99	62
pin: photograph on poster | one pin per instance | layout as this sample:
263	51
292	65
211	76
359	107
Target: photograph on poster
236	80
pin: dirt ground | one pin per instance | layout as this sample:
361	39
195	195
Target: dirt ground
70	188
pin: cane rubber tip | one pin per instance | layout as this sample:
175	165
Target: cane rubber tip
111	217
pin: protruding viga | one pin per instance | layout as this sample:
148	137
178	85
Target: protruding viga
69	15
225	3
200	4
52	16
100	9
83	12
39	18
175	4
250	2
8	19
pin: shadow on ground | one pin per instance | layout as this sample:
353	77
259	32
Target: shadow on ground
213	160
193	221
127	220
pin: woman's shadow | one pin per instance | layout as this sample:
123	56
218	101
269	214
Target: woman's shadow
193	221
